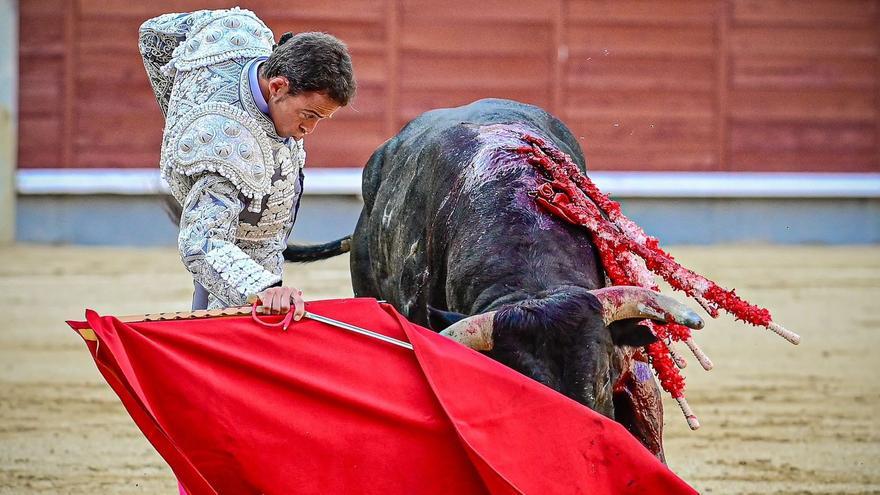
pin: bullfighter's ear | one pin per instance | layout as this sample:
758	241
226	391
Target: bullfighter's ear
629	332
438	319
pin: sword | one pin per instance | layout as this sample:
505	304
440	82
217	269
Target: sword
358	330
334	323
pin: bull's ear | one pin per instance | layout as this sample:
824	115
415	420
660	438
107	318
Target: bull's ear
438	319
629	332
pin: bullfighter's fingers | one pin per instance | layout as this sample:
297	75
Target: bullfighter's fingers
260	299
265	301
284	298
276	302
299	305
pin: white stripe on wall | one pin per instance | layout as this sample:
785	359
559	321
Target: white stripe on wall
347	181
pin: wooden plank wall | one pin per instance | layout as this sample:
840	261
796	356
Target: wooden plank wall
804	87
699	85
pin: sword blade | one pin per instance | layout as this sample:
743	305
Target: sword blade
358	330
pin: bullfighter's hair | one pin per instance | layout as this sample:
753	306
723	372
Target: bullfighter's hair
313	62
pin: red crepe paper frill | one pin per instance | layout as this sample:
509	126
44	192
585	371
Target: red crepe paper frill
667	372
572	196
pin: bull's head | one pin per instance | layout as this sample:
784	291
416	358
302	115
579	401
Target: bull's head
566	339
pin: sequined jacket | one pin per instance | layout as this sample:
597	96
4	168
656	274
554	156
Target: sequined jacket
238	182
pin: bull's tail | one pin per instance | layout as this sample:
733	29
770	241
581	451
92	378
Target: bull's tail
304	253
172	208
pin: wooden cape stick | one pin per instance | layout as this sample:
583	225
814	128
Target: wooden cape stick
89	334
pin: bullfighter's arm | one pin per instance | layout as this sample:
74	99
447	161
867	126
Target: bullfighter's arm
157	39
208	225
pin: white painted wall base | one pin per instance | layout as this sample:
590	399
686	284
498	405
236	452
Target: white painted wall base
124	207
106	219
347	181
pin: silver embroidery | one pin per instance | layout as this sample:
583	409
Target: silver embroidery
237	180
206	244
275	216
220	138
233	33
157	39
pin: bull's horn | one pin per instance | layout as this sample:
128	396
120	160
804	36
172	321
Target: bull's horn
474	331
620	302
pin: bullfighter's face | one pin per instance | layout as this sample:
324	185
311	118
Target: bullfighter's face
297	115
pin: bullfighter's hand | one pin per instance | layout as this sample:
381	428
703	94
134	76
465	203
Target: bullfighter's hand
278	300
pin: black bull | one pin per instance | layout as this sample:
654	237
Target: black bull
449	229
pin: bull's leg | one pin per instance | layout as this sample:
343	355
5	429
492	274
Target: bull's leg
363	282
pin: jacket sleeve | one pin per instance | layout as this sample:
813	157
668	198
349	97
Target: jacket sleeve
208	225
157	39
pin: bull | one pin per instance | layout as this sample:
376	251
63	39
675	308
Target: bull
450	235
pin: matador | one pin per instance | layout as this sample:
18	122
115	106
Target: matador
236	110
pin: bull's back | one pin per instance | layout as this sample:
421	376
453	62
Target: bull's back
439	125
444	138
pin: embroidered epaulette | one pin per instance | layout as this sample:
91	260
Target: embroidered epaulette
223	139
222	36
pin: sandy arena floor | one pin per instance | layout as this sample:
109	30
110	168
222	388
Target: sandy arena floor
776	418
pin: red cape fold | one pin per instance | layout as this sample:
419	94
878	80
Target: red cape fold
235	407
